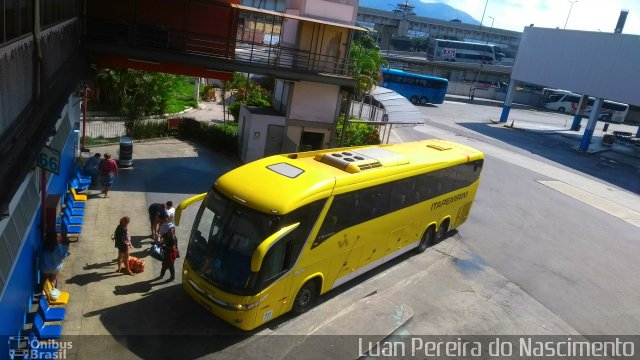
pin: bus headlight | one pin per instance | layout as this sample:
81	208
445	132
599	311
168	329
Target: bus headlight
245	307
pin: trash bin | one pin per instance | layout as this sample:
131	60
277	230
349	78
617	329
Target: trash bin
125	157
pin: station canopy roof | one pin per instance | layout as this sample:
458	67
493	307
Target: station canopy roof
399	109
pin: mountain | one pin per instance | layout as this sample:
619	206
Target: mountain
433	10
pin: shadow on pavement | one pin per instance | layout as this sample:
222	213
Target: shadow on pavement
88	278
559	149
166	325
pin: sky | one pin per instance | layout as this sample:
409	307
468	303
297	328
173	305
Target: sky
589	15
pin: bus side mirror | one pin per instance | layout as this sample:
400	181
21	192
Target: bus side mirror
184	204
261	251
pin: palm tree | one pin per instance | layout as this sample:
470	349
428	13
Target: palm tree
365	61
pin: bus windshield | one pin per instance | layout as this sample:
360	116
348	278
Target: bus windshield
225	236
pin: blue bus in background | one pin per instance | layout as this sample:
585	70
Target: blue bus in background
419	89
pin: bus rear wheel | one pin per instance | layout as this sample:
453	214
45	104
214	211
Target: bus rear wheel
427	240
424	100
443	230
414	99
561	109
306	297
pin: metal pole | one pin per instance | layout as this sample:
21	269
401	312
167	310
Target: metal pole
84	116
570	7
345	120
483	11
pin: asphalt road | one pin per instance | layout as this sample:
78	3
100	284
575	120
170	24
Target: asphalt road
576	260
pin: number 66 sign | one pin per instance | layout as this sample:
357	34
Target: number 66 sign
49	159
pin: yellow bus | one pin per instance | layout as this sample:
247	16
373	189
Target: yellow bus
272	235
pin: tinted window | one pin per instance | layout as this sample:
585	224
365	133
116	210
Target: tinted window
338	217
403	194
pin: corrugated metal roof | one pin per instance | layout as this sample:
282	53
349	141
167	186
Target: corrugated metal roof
399	109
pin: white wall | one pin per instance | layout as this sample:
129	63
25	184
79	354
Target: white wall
604	65
331	10
314	102
254	133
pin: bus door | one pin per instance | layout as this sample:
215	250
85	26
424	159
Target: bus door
274	300
273	258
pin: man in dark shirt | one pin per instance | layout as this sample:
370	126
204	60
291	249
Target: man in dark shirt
154	220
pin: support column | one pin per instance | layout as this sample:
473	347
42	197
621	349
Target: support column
196	90
506	108
591	125
577	118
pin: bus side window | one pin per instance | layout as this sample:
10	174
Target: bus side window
464	175
339	217
374	202
276	262
448	180
427	186
403	194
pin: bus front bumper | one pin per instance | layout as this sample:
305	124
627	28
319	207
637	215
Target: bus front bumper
244	320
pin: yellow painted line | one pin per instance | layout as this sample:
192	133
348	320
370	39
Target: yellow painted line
600	203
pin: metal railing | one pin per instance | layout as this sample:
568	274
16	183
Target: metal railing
100	132
121	33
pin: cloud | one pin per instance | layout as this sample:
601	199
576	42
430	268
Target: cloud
590	15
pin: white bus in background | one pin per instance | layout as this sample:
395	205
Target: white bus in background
463	51
567	102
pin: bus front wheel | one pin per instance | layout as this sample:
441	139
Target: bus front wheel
424	100
306	297
414	99
427	240
561	109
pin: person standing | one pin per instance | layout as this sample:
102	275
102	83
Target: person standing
171	211
108	171
50	257
154	218
169	254
92	167
123	243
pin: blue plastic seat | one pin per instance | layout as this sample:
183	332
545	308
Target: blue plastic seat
75	211
82	175
50	313
79	185
74	203
64	226
73	220
45	331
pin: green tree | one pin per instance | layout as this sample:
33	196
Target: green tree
135	93
365	61
358	134
249	93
